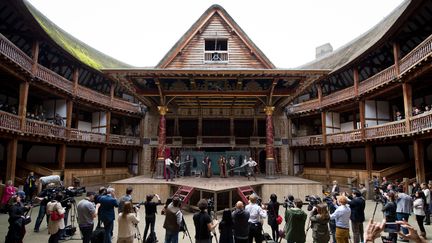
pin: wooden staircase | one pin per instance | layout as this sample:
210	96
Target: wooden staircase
184	193
244	192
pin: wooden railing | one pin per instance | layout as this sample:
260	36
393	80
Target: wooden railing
304	106
417	54
338	96
125	140
421	122
344	137
80	135
307	140
386	130
9	121
45	75
215	56
44	128
383	77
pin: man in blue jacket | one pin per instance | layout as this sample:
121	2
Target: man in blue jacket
106	212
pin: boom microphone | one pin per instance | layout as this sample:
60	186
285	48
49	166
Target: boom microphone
45	180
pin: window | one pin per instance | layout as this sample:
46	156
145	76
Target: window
216	50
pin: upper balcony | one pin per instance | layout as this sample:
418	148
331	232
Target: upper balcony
40	74
384	78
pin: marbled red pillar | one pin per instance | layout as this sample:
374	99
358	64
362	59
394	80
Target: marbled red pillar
270	160
160	163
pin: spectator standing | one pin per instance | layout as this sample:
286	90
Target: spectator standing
127	222
295	220
335	188
106	212
363	190
241	225
173	220
357	206
30	186
273	212
125	198
8	192
319	223
203	223
55	227
16	221
226	227
389	210
43	197
87	211
256	214
150	210
427	195
342	217
419	211
404	206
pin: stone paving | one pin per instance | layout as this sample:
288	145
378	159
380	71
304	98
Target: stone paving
43	236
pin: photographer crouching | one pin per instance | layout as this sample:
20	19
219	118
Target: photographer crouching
17	221
295	220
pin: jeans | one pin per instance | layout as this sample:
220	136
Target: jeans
41	215
171	237
86	232
357	229
149	222
108	226
401	217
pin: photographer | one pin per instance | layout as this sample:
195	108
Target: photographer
125	198
56	221
404	207
126	224
342	217
273	212
173	220
357	206
427	195
203	223
87	211
106	211
389	210
373	231
319	223
256	213
17	221
44	197
295	220
150	210
240	221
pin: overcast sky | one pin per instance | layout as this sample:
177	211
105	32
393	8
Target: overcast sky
141	32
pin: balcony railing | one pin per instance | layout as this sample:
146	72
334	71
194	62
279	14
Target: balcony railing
416	55
344	137
338	96
421	122
124	140
215	56
383	77
9	121
386	130
304	106
44	129
47	76
307	140
81	135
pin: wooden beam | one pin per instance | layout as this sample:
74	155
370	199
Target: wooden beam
407	98
22	107
328	158
35	56
108	125
75	77
362	108
324	127
61	156
69	110
419	161
396	57
356	80
103	161
12	147
369	156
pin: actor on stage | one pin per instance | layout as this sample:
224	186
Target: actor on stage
232	165
169	172
176	167
206	167
222	165
187	165
251	167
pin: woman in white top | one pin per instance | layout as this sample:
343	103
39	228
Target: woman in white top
55	227
419	211
127	222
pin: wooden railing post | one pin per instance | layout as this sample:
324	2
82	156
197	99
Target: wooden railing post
75	78
407	98
22	109
362	108
396	57
356	81
324	127
35	56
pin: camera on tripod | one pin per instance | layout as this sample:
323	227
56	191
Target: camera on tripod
210	205
288	202
313	200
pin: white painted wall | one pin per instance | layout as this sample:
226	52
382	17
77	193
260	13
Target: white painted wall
99	122
84	126
376	112
53	107
347	126
332	122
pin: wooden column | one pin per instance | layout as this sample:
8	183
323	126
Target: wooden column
319	92
176	126
61	156
407	98
270	158
419	161
396	57
232	127
369	156
255	126
362	108
103	161
356	80
328	158
11	147
35	56
200	126
108	126
22	108
324	127
69	110
75	77
160	164
112	90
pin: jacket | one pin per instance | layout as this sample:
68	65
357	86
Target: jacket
419	207
171	222
404	203
389	210
320	229
295	220
357	206
240	224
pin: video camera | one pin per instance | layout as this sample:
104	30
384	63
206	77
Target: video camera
288	202
379	197
313	200
210	205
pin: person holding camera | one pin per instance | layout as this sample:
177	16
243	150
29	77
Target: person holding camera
150	211
342	216
55	211
357	205
203	223
427	194
295	220
404	207
419	210
17	221
319	219
44	198
87	211
173	220
256	214
125	198
273	212
127	222
241	225
389	210
107	204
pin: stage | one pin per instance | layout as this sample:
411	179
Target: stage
224	191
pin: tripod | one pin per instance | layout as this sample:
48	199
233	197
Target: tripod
184	228
73	218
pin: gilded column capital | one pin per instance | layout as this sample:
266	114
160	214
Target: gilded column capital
162	110
269	110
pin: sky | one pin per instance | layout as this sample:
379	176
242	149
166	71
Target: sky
141	32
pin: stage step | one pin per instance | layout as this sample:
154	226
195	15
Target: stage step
184	193
244	192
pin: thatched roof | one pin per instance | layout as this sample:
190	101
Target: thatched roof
78	49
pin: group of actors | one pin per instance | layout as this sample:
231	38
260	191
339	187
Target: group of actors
175	168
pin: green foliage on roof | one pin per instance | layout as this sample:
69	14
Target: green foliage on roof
78	49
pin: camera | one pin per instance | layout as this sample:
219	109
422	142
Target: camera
391	227
378	197
313	200
210	205
288	202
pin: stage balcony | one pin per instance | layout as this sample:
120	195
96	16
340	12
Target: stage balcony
216	141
